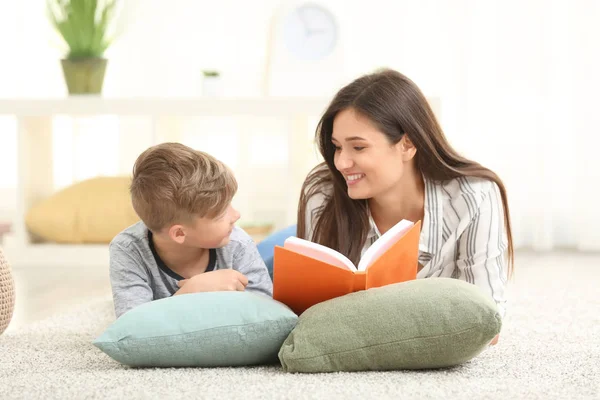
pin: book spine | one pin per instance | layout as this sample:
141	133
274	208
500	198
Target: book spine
360	281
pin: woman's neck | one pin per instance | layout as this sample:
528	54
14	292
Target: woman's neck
405	201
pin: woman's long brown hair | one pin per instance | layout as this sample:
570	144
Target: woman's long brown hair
397	106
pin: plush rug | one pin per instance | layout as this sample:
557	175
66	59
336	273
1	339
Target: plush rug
549	349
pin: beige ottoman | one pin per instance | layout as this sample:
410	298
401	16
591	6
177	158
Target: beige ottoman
7	293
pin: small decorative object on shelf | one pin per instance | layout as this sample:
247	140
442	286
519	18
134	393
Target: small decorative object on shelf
7	293
211	83
86	27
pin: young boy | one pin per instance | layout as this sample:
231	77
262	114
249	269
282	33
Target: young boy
186	241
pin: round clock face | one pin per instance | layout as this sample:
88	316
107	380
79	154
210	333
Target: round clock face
310	32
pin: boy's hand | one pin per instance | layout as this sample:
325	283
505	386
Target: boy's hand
214	281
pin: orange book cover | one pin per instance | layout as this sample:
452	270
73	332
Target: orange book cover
306	273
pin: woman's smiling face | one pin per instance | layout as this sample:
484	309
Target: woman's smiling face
370	164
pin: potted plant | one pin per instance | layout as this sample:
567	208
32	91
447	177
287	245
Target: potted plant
86	27
211	85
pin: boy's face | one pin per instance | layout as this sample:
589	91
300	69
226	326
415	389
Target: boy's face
211	233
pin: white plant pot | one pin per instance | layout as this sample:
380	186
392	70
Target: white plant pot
211	86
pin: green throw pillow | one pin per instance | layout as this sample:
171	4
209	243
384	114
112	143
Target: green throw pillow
213	329
424	323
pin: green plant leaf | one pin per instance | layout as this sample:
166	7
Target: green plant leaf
85	25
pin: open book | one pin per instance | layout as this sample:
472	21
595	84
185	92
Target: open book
307	273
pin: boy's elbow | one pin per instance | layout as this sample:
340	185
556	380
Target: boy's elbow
120	311
267	290
263	287
264	292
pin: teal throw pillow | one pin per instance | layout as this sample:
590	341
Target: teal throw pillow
212	329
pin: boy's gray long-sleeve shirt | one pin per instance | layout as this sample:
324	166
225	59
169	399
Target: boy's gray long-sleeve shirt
137	275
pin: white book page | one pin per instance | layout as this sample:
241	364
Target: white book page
383	243
318	252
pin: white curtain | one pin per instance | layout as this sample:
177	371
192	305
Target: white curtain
528	112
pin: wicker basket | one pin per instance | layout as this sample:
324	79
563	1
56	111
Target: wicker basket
7	293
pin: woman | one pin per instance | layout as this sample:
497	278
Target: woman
387	159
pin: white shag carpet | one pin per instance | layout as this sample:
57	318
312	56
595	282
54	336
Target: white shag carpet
549	349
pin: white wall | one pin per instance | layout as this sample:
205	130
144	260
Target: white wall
517	80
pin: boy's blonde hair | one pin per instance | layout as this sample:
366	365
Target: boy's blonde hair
172	183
